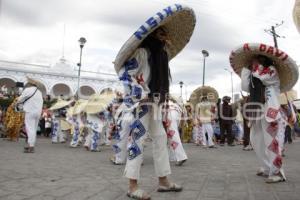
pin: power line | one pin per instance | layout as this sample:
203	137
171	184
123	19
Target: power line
272	32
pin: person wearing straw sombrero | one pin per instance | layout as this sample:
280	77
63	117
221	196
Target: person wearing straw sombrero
265	72
60	125
31	101
142	66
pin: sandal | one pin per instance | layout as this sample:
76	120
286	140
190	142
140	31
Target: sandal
180	163
113	160
275	179
29	150
139	195
172	188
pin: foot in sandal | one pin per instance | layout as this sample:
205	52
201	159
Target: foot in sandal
139	195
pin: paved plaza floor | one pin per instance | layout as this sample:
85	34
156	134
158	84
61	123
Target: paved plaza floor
56	171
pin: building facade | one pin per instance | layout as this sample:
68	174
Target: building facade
58	80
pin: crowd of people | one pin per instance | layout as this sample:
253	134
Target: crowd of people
144	109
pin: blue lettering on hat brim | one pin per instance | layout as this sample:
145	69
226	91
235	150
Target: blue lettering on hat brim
153	22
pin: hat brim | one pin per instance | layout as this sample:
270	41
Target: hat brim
60	104
204	91
98	103
285	65
296	15
179	23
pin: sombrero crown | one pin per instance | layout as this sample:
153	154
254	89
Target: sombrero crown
285	65
178	21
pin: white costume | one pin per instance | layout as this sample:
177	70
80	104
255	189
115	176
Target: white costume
95	123
205	132
135	75
120	136
58	128
239	122
173	115
33	109
77	130
266	133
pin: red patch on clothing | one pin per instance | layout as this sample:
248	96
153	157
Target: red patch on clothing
170	133
278	161
272	113
174	145
166	124
266	70
140	78
272	129
274	146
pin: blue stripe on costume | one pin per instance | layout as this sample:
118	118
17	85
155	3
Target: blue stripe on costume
137	130
143	111
133	151
116	149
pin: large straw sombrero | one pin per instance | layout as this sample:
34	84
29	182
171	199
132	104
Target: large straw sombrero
35	82
60	104
296	14
290	95
204	91
78	107
285	65
97	103
178	21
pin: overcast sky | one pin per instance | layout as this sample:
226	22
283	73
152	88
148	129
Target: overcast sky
32	31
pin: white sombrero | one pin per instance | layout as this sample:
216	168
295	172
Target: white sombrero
296	14
178	21
97	103
285	65
78	107
60	104
204	91
287	96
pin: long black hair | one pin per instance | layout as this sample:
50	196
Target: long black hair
159	66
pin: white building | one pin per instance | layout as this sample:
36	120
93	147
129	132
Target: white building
60	79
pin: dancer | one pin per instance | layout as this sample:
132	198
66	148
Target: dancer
142	65
263	70
31	102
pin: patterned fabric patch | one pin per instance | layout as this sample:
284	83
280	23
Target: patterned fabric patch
166	123
116	149
274	146
170	133
272	129
131	64
278	161
272	113
143	111
133	151
136	92
137	130
174	145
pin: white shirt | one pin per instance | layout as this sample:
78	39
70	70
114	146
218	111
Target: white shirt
35	103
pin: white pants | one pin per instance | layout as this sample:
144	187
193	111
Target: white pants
135	146
176	151
207	129
267	143
31	124
88	139
77	135
95	139
120	147
57	134
241	130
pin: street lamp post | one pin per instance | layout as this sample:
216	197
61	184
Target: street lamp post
81	41
231	82
181	83
205	54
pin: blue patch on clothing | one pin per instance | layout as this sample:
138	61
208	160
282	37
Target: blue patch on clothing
133	151
116	149
143	111
137	130
136	91
131	64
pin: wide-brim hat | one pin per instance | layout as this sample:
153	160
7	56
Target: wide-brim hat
98	103
204	91
296	14
285	65
35	82
60	104
178	21
287	96
78	107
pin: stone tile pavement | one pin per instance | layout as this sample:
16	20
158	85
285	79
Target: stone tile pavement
58	172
